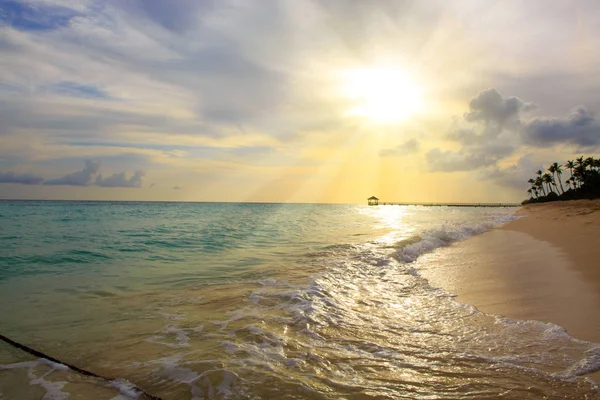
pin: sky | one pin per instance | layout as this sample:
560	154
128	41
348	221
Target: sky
293	100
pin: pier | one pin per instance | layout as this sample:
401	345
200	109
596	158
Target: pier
451	204
374	201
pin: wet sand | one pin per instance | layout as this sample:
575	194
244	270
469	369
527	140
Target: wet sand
544	266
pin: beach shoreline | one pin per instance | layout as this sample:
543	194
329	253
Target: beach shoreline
544	266
573	226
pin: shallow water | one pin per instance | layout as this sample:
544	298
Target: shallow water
250	301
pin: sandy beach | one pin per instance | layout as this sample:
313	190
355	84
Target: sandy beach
544	266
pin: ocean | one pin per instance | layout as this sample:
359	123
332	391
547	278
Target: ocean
260	301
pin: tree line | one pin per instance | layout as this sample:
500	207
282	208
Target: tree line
583	181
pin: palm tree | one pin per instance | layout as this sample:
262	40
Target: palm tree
589	162
540	184
548	180
579	174
555	168
581	162
570	164
530	193
552	170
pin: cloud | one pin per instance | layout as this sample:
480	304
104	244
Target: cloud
84	177
493	130
174	16
494	110
515	175
466	159
411	146
74	89
90	175
580	128
488	133
25	179
120	180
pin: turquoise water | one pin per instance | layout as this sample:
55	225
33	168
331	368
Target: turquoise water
214	300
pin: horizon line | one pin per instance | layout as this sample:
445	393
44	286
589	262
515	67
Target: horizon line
425	204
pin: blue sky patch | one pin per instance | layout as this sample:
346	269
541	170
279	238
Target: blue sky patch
30	17
74	89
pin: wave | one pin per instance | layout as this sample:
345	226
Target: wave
408	250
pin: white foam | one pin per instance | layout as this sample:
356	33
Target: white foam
53	365
254	297
229	378
175	317
172	370
25	364
182	339
268	282
445	235
229	346
53	389
589	363
126	389
180	336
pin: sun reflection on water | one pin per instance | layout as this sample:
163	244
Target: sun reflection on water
393	219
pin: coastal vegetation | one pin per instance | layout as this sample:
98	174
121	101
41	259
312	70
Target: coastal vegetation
583	181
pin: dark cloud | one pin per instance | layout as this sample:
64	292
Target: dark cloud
411	146
85	177
488	133
580	128
120	180
493	130
491	108
25	179
89	175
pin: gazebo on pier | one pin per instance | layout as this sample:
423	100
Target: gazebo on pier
373	201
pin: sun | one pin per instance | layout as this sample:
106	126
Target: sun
382	95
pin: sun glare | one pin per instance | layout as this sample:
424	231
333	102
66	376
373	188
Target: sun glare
383	95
